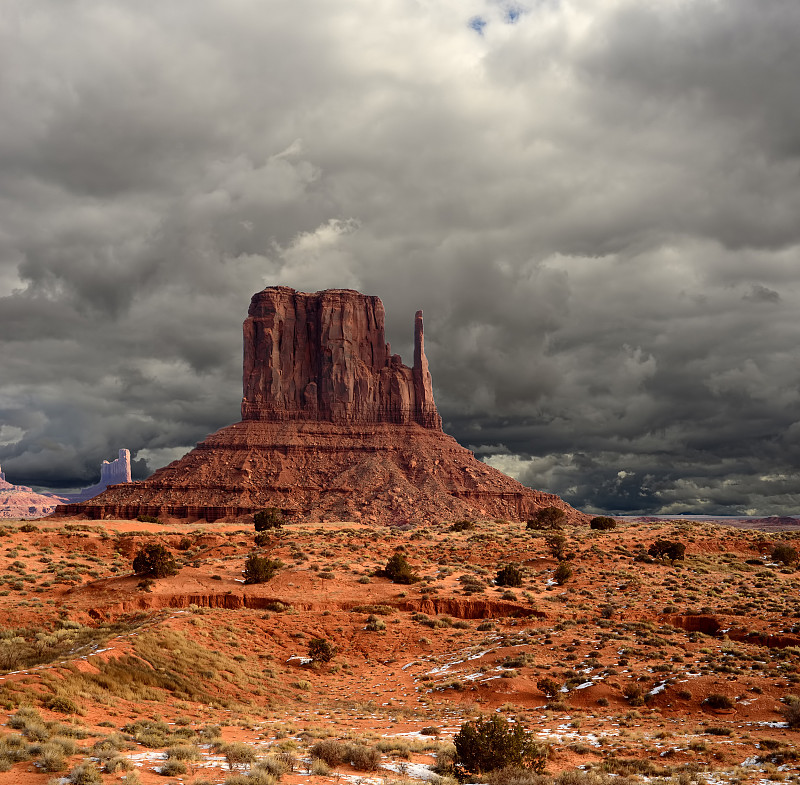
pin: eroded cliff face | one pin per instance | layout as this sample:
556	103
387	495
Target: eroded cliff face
323	357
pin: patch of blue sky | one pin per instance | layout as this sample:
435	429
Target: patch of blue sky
477	23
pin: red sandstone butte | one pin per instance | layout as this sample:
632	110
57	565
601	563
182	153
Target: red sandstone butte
333	427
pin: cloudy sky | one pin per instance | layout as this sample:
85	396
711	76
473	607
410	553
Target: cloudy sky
596	203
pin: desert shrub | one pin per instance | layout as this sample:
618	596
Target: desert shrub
493	742
276	765
557	546
462	526
172	768
429	730
238	754
509	575
562	573
321	650
547	518
260	569
331	751
362	757
51	757
85	774
319	767
263	539
791	711
717	700
548	687
184	752
374	624
398	570
602	523
634	694
148	519
62	704
517	775
784	553
269	518
667	549
154	561
29	528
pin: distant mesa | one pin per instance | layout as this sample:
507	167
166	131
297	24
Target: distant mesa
19	502
111	473
334	427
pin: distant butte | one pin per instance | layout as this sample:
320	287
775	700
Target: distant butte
334	426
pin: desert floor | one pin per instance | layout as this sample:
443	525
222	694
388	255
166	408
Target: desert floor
662	670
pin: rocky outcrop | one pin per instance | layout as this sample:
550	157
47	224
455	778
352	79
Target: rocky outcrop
19	502
333	427
111	473
323	357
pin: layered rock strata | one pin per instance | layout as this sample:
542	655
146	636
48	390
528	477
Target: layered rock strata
334	427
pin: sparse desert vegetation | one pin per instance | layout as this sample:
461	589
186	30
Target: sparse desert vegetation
645	661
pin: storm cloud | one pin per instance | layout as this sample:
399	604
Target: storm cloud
594	201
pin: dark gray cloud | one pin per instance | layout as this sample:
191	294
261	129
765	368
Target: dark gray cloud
594	202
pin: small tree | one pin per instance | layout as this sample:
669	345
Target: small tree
259	569
269	518
602	523
784	554
557	545
321	650
547	518
562	573
492	743
398	570
509	575
666	549
155	561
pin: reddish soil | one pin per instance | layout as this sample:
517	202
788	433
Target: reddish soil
637	646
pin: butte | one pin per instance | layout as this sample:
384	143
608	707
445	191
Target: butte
334	427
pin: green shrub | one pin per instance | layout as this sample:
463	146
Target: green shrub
547	518
269	518
562	573
509	575
492	743
398	570
462	526
784	553
148	519
321	650
155	561
666	549
260	569
602	523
